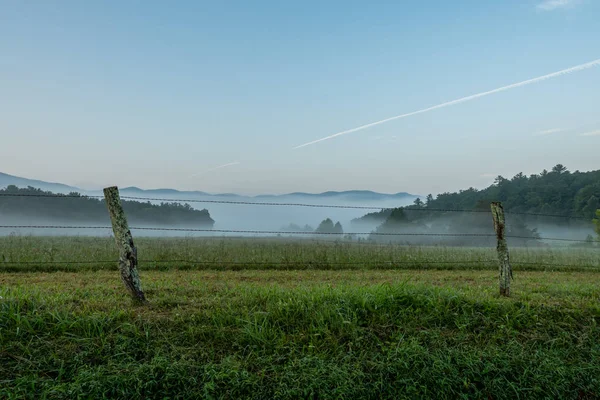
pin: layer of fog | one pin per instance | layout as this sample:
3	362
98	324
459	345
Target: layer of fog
238	217
235	217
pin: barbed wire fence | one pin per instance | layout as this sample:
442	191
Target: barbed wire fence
310	235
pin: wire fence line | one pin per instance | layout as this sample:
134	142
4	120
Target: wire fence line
303	233
280	204
200	262
60	196
296	264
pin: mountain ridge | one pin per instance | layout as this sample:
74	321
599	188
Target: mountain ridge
349	195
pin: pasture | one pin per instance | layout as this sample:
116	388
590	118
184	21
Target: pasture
287	318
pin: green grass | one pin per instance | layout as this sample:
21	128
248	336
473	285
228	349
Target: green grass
292	319
300	334
30	253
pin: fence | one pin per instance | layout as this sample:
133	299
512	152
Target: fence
128	260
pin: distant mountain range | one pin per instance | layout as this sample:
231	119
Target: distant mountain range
6	180
361	196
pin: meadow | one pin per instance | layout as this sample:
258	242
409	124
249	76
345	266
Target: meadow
287	319
67	253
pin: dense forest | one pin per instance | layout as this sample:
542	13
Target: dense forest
557	192
76	208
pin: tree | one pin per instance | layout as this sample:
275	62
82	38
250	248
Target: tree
326	226
519	177
338	228
418	202
587	200
559	169
429	199
500	180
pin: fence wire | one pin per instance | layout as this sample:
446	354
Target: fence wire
298	265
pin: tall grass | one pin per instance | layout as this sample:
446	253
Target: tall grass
30	253
299	334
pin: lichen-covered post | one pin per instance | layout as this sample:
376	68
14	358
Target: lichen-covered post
127	250
502	247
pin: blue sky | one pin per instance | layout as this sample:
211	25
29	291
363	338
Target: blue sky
157	94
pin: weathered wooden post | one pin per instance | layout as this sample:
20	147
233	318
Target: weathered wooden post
127	250
502	247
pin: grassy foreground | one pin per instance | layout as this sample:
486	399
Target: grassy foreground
300	334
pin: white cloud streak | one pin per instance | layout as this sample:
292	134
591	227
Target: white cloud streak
548	132
550	5
215	168
592	133
461	100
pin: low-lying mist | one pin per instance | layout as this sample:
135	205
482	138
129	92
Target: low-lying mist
450	229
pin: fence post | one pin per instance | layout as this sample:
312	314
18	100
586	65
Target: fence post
127	250
502	247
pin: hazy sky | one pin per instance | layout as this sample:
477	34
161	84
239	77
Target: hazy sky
160	94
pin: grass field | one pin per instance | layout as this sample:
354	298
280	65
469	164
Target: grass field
30	253
307	330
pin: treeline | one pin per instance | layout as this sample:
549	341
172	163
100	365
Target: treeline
326	226
557	191
76	208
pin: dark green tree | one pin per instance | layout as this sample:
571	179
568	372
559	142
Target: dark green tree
338	228
428	200
559	169
326	226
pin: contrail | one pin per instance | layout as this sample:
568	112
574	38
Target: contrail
548	132
461	100
215	168
593	133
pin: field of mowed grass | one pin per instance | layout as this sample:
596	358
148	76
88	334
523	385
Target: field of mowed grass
300	320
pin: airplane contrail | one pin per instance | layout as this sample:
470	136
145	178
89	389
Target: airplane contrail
592	133
215	168
461	100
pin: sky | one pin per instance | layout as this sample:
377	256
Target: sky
218	96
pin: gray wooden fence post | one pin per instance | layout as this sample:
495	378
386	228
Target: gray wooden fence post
502	247
127	250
